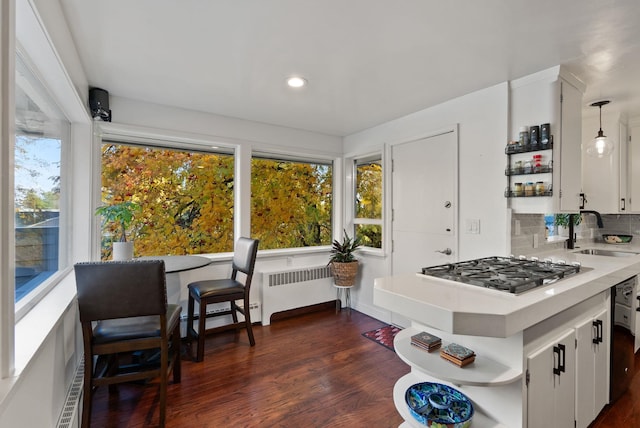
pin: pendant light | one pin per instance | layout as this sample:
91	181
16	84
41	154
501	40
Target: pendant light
600	146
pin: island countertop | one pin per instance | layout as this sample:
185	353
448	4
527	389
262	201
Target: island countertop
460	308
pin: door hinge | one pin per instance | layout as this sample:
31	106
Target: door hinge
527	378
392	165
393	214
576	343
393	245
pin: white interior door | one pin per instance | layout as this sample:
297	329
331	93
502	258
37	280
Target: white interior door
425	202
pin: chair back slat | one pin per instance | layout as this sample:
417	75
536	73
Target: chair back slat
244	255
109	290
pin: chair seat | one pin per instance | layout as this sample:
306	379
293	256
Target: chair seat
107	331
216	287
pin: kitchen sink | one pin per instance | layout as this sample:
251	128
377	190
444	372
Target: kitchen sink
609	253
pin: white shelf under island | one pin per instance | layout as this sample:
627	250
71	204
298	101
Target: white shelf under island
542	356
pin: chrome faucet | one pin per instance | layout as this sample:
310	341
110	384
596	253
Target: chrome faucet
571	241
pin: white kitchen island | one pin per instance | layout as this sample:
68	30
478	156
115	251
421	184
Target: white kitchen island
513	336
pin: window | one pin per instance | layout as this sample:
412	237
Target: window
41	133
291	202
185	198
368	201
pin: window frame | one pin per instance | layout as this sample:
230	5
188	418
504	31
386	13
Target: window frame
243	153
354	162
30	300
301	158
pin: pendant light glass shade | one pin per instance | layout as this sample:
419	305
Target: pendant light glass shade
600	146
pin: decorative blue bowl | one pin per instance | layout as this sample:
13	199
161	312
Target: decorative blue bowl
438	405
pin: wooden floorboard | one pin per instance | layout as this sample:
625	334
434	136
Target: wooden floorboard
314	370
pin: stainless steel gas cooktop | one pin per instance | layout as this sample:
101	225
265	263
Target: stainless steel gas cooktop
508	274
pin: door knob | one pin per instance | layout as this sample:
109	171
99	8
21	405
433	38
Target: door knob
446	251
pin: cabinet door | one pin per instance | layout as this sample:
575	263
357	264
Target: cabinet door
633	185
551	395
592	391
570	147
601	364
604	179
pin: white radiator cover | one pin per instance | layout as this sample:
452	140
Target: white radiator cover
293	288
71	414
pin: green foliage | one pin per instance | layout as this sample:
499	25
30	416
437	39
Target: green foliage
342	252
563	220
188	200
291	203
119	215
370	235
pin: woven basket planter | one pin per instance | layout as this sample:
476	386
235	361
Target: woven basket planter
344	274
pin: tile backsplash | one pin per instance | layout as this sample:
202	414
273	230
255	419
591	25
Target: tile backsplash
526	229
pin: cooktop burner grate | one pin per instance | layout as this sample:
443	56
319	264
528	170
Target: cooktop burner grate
509	274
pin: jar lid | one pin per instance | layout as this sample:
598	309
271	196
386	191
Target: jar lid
524	129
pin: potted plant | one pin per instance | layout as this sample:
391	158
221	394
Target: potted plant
119	216
562	221
342	261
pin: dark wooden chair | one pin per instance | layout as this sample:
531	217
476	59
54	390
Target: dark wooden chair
223	290
130	333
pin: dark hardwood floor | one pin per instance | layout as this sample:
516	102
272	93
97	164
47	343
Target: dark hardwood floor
625	412
313	370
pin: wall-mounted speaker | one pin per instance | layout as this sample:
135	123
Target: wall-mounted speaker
99	104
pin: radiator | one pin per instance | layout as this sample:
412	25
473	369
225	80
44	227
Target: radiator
293	288
72	409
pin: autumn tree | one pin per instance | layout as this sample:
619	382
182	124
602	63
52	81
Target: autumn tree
187	200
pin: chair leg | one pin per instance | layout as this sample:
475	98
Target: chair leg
164	373
177	365
87	391
201	330
247	320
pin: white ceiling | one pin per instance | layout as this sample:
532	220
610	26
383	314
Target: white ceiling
367	61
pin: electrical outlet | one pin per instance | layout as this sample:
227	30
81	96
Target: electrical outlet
535	240
517	227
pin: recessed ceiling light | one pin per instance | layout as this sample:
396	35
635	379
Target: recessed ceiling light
296	82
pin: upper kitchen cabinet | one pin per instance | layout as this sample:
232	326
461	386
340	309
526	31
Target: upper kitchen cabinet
633	182
554	97
604	180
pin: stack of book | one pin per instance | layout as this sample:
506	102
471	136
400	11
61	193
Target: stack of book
458	354
426	341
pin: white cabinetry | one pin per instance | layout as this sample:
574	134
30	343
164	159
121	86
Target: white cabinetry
551	375
604	180
633	184
568	371
551	96
592	362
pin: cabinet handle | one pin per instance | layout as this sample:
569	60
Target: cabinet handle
624	204
583	200
597	325
561	355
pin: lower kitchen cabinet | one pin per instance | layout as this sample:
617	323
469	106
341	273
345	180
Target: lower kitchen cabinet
592	354
551	375
568	376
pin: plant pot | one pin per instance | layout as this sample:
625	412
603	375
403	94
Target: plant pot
122	251
344	274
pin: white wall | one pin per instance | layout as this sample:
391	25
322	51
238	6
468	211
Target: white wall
261	135
482	119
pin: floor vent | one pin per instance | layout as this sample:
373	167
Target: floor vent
70	416
293	288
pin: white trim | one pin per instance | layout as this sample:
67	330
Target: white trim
7	232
